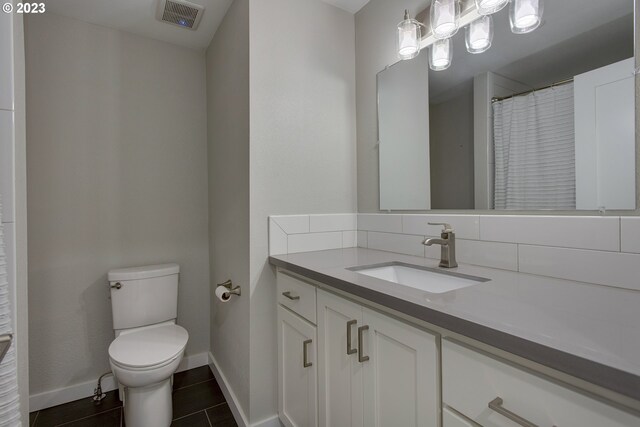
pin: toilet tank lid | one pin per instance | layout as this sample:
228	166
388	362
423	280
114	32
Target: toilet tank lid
144	272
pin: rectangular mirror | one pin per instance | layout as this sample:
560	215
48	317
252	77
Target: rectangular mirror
403	141
540	121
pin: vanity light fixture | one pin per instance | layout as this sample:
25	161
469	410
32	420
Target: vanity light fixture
487	7
409	35
525	15
479	34
445	17
440	55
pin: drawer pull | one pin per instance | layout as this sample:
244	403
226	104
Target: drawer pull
305	356
350	350
361	357
291	297
496	405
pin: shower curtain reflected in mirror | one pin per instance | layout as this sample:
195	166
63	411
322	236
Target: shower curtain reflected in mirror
9	398
534	142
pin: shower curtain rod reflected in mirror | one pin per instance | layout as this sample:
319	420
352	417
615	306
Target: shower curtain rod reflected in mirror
560	83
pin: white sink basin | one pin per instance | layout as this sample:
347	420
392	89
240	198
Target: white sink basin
424	278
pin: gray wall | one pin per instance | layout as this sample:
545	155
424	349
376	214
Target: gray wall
294	90
451	149
228	146
303	153
117	176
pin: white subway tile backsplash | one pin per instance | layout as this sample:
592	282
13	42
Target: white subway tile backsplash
6	165
349	239
601	267
400	243
488	254
277	239
314	241
600	233
576	248
380	222
332	222
630	234
465	226
362	239
293	224
304	233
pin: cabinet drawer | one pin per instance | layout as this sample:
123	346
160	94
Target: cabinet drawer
471	380
298	296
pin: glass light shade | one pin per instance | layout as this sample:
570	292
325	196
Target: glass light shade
445	15
409	34
440	55
487	7
479	34
525	15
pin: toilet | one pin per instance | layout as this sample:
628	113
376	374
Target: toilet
149	345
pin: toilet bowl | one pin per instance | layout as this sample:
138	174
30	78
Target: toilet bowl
143	362
149	345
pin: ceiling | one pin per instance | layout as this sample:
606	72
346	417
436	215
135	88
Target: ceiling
139	17
349	5
573	35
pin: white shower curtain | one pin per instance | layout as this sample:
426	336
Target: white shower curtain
534	142
9	399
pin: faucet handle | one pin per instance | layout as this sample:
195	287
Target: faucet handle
446	227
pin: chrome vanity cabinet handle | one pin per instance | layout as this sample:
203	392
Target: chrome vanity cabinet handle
118	285
496	405
361	357
305	363
350	350
291	297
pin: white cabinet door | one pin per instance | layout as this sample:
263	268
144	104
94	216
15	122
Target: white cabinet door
340	374
297	376
400	375
605	137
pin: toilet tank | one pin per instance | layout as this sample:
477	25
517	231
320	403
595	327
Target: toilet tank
142	296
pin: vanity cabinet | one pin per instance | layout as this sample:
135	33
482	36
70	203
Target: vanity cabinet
343	364
297	370
374	370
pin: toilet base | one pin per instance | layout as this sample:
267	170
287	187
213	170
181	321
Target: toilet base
148	406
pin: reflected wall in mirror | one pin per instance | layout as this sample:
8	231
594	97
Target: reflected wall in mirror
543	120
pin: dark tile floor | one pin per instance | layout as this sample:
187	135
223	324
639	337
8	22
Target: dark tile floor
197	402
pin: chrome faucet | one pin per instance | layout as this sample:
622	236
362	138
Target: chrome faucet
447	244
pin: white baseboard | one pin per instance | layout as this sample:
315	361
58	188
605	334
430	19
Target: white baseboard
70	393
229	395
67	394
273	421
232	400
193	361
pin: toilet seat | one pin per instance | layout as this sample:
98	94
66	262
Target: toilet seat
148	348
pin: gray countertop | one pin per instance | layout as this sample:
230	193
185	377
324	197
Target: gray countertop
588	331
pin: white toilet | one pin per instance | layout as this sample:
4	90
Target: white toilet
149	345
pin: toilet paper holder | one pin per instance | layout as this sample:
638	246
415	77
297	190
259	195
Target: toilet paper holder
229	285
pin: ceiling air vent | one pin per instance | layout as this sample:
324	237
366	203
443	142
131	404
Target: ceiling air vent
181	13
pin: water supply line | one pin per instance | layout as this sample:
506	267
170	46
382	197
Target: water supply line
98	395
